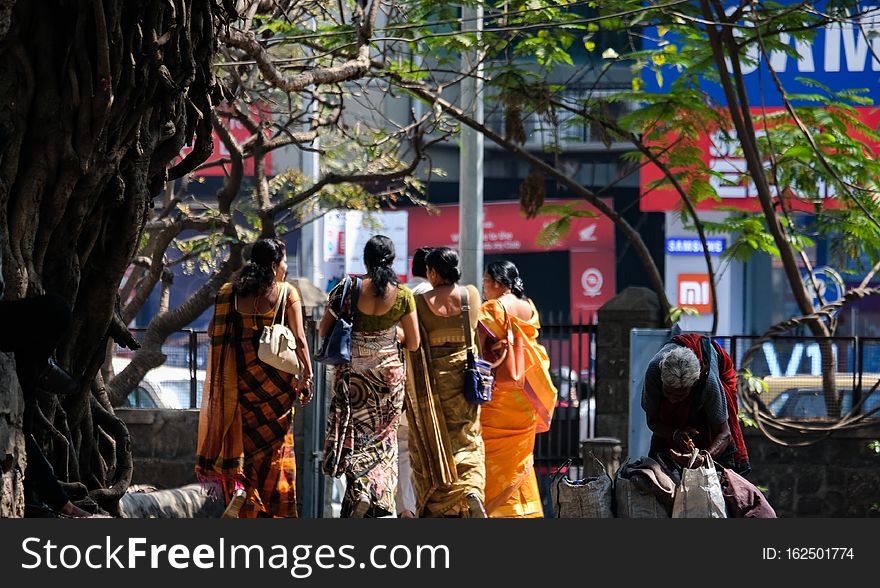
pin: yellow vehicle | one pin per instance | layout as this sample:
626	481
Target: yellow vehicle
801	396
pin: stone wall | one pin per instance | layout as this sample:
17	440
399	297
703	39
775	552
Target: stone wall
633	308
837	477
163	445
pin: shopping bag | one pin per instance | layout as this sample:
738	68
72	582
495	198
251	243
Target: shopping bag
698	495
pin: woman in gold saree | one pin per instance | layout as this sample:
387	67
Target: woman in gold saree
523	396
245	438
446	445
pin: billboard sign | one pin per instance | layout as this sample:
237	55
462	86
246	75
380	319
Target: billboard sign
841	56
693	245
505	229
241	134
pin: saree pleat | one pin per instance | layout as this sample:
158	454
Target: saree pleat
512	419
361	439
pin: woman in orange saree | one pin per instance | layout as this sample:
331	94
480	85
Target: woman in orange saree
523	396
245	439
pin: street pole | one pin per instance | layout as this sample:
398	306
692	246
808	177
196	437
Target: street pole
470	168
311	234
314	485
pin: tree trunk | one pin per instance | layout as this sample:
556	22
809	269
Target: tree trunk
725	49
12	462
99	97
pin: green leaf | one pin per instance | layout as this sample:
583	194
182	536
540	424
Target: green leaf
676	312
553	232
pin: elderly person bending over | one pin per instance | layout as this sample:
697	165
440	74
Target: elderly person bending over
689	400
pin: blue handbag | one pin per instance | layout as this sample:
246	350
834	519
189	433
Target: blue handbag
336	349
478	377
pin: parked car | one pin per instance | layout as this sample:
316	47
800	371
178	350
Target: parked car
163	387
776	385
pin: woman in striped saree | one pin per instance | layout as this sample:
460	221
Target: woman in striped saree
523	396
361	439
245	440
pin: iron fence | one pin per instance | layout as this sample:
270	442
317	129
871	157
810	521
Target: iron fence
791	369
571	347
178	382
790	366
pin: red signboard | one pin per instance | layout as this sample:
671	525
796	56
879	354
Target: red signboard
721	157
590	242
592	281
506	229
240	134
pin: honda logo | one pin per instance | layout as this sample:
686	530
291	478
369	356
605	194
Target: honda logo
588	233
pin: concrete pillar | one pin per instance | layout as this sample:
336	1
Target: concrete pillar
470	171
605	449
632	308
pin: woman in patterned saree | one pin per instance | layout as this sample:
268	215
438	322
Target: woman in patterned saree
361	440
446	446
523	396
245	439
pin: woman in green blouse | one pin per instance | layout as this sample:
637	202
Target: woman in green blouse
361	440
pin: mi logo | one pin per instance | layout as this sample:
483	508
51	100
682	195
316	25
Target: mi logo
693	291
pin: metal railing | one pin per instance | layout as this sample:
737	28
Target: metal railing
177	383
571	347
791	368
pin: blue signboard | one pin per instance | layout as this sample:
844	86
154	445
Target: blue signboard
840	56
830	284
693	245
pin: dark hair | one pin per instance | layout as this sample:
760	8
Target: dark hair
257	275
444	261
378	257
506	273
419	269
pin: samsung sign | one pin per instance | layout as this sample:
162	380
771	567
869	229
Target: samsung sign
842	56
693	246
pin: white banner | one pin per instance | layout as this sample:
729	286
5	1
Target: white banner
361	226
332	248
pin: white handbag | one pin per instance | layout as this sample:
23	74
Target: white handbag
277	346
